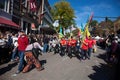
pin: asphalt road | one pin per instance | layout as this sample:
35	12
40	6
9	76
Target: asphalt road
63	68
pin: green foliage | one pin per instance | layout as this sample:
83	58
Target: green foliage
63	12
102	28
93	23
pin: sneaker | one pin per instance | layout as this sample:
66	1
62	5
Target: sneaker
11	60
84	58
17	72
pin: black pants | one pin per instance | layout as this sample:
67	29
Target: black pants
63	50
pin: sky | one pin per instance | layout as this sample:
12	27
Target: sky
84	8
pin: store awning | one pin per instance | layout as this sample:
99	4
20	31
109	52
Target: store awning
8	22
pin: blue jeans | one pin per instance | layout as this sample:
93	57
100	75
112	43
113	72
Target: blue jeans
45	47
21	61
14	54
84	54
89	52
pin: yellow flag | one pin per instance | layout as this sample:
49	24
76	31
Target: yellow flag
60	35
86	32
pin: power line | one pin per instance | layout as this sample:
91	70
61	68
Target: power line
104	17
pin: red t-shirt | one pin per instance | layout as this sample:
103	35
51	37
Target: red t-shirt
72	42
63	42
22	42
90	43
85	44
94	41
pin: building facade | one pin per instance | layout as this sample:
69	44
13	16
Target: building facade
6	22
26	13
45	18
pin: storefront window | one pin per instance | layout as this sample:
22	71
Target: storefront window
2	2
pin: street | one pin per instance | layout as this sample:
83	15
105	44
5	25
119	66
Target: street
63	68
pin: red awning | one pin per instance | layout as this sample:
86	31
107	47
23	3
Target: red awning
8	22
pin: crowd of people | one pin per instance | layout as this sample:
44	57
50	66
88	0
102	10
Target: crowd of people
112	46
19	47
77	47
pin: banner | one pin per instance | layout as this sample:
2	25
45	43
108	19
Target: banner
33	26
33	6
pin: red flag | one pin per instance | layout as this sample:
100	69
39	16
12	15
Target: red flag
33	6
90	19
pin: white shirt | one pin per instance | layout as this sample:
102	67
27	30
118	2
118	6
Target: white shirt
36	45
14	39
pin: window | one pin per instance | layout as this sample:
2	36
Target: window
2	2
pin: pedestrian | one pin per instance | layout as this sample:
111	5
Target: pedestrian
72	47
114	47
63	45
108	48
45	43
84	49
15	50
90	46
30	57
94	46
22	44
15	47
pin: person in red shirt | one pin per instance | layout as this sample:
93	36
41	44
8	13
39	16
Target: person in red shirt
71	46
84	49
63	44
90	46
22	44
72	42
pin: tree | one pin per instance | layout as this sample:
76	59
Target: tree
107	26
63	12
93	23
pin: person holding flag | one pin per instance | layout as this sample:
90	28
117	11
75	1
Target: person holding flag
85	41
84	49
